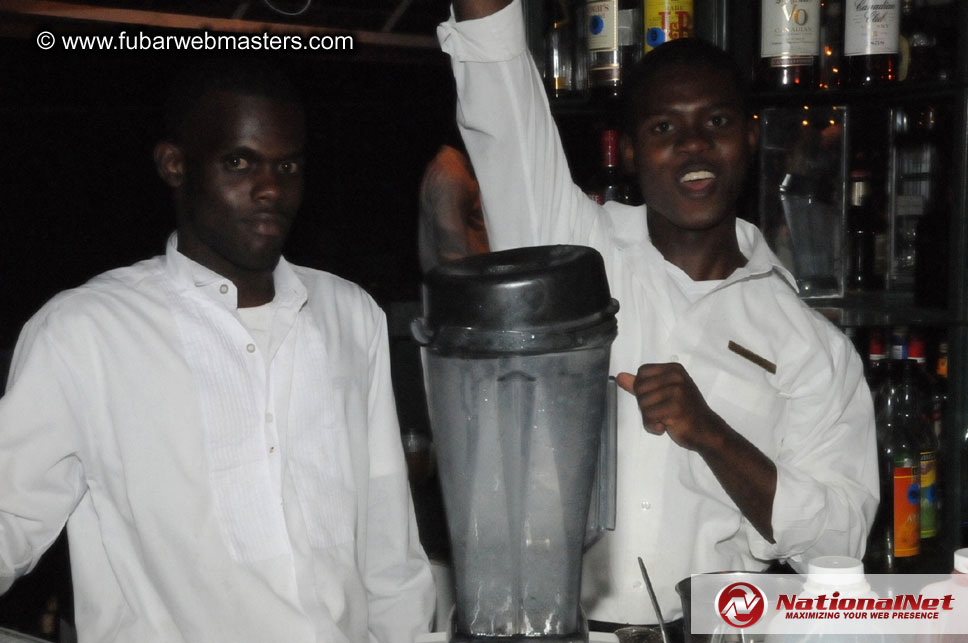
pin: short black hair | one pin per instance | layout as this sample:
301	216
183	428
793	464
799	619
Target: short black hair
691	52
241	75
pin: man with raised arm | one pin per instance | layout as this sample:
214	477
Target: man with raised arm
748	432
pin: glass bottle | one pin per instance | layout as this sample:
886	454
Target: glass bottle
667	20
609	184
613	36
871	42
559	50
789	43
863	226
927	441
894	544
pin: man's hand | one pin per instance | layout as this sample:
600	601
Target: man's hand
670	403
472	9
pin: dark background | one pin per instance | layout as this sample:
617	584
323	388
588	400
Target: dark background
80	194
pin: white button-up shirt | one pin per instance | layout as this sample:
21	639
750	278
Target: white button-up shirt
215	487
813	417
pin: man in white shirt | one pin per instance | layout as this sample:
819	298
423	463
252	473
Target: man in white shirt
215	425
759	437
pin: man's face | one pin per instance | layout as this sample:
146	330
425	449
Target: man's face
692	147
243	183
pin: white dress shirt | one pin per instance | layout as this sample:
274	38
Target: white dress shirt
215	488
813	417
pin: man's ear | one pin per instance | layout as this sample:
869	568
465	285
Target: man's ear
170	163
627	151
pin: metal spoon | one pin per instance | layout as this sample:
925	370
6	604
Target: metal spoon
655	602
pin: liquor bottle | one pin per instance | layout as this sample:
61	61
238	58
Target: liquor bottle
876	367
609	184
899	343
871	42
613	36
559	56
927	440
939	394
789	43
831	44
667	20
894	544
925	42
863	227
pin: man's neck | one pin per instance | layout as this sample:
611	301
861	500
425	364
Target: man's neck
704	255
255	292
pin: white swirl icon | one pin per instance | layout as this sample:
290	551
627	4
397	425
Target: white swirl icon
46	40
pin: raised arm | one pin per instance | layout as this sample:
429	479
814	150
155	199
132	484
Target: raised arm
527	191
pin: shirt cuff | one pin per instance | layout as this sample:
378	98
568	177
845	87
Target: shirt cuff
496	38
798	507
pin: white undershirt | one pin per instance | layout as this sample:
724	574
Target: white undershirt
258	321
687	291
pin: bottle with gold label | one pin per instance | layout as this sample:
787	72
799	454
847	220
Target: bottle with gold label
667	20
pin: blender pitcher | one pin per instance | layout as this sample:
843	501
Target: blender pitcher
515	348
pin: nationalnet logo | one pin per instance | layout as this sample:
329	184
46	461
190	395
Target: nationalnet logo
741	604
923	605
905	606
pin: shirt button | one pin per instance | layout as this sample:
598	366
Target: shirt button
673	358
268	417
646	505
223	288
250	348
637	585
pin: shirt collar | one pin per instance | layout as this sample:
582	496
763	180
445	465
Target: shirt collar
191	275
760	260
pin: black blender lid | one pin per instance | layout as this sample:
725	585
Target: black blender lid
513	295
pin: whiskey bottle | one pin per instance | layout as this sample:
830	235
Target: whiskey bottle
789	43
613	36
667	20
871	41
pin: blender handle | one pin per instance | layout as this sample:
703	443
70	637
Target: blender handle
422	334
601	514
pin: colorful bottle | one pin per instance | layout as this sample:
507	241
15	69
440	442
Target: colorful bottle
927	440
894	545
667	20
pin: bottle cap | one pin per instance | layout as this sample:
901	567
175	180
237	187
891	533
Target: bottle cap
961	561
848	570
843	572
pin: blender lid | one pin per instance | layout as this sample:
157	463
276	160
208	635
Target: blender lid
534	299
